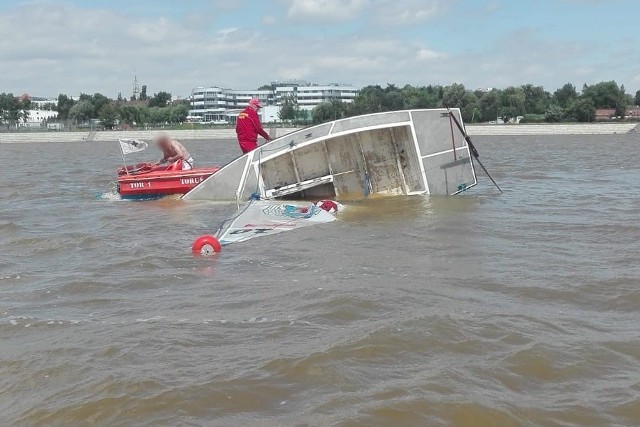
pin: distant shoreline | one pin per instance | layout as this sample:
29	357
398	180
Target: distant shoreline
220	134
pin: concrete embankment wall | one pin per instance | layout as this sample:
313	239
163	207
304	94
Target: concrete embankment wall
555	129
111	136
205	134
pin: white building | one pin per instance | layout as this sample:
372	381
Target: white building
308	96
211	105
42	103
36	118
217	105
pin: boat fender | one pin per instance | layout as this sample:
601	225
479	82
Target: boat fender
328	205
206	246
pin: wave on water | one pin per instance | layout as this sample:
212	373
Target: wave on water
110	196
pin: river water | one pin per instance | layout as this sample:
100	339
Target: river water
518	309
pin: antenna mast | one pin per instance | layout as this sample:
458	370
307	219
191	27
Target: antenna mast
136	87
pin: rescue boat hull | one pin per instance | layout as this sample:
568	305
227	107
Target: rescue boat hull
160	183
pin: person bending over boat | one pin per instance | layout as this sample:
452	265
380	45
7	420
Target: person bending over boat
173	151
248	127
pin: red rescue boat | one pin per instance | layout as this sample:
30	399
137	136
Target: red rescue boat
148	181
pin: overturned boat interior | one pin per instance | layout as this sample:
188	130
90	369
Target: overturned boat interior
386	154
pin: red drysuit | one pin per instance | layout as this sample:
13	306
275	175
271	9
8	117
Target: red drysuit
248	127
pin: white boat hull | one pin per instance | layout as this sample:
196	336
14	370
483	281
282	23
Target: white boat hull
385	154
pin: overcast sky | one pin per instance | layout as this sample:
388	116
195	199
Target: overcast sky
73	46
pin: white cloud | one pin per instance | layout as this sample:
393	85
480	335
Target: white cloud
325	10
73	49
408	12
155	31
428	54
269	20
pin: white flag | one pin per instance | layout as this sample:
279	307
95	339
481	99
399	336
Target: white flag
129	146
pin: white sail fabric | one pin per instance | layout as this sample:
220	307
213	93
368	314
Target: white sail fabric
129	146
264	218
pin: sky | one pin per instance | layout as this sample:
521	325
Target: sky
71	46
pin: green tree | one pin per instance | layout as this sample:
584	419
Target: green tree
287	110
637	98
392	100
158	115
328	111
127	114
454	95
10	109
143	93
108	116
566	95
554	114
607	95
470	104
490	104
184	102
536	99
99	101
301	116
583	110
64	106
369	100
265	87
160	99
85	97
179	113
82	111
418	97
142	114
513	101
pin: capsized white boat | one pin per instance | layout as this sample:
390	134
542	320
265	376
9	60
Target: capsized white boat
387	154
410	152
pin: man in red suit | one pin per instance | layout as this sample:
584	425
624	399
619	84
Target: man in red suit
248	127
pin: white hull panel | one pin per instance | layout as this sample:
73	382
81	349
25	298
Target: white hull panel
385	154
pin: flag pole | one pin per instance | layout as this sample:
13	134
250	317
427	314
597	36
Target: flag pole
124	162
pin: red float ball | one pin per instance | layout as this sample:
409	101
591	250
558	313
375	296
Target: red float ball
206	245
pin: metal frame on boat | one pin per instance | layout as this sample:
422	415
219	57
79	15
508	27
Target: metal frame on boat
386	154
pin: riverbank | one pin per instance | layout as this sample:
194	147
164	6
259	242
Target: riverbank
205	134
110	136
608	128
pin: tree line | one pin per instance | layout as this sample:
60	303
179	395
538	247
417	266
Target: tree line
142	110
532	103
157	109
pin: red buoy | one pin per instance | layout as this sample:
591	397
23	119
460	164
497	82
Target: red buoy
206	245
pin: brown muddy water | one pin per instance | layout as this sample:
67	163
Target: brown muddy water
518	309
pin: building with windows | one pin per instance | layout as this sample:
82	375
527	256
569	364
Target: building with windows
212	105
42	110
218	105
